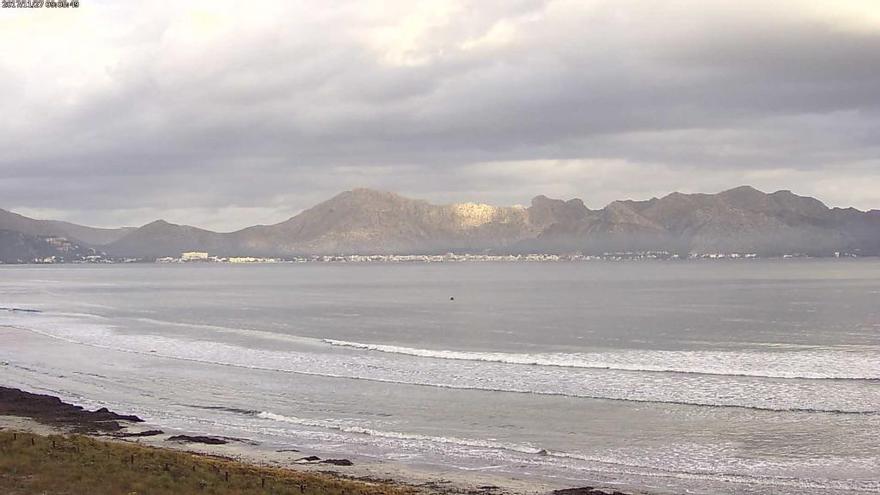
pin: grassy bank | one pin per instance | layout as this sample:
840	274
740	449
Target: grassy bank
76	464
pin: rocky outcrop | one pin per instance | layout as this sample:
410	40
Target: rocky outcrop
53	411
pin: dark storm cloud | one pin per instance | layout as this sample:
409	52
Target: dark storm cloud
193	110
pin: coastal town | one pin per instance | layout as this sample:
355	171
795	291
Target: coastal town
189	257
204	257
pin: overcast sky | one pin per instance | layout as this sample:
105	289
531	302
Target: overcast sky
226	114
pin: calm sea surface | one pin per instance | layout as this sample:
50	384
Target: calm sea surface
707	377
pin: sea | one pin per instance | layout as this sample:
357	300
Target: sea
708	377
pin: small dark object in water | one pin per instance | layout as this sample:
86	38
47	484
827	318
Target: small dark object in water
311	458
337	462
452	299
197	439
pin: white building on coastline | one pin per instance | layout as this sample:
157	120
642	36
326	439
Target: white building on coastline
194	256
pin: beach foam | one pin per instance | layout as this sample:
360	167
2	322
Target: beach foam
708	390
520	454
802	364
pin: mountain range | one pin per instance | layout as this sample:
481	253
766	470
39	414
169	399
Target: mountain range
365	221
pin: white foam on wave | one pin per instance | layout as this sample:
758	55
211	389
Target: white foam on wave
708	390
803	364
513	454
249	332
687	389
361	430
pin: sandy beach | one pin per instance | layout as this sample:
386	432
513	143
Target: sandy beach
44	415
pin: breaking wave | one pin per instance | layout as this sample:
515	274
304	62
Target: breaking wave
332	425
705	390
803	364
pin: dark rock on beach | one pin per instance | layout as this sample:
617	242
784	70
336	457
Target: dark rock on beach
53	411
120	417
586	490
147	433
198	439
315	459
311	458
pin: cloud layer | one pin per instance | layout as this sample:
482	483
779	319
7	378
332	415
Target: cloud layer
225	114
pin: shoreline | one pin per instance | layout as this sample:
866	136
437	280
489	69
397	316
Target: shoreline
46	415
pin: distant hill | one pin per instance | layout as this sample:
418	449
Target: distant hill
364	221
741	220
87	235
17	247
160	238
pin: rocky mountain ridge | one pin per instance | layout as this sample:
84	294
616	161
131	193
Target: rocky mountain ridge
365	221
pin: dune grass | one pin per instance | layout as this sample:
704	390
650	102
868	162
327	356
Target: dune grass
76	464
